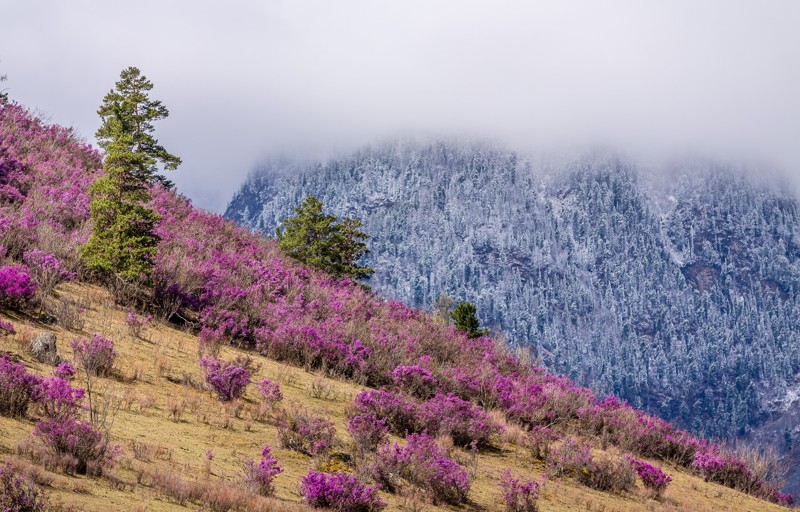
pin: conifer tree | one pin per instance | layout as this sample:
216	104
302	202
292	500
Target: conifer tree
465	319
122	242
318	240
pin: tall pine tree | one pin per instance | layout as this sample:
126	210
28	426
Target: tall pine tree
123	243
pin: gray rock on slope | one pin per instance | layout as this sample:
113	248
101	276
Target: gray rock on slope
44	349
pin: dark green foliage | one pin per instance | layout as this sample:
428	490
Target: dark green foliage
465	319
319	241
122	242
128	114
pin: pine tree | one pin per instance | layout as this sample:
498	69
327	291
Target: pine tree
466	320
318	240
123	243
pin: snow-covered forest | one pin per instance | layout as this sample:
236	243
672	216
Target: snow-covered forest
675	288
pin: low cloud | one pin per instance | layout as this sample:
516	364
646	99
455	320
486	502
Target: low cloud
244	79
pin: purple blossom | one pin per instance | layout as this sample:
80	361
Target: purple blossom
259	477
339	492
227	379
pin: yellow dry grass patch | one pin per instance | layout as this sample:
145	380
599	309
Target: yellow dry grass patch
148	429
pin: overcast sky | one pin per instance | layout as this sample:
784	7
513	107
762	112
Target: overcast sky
246	78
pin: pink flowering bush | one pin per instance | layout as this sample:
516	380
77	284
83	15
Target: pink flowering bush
652	477
305	432
18	388
415	380
95	356
339	492
47	269
64	371
465	422
570	458
399	412
6	328
259	476
136	324
538	441
270	392
227	379
76	445
17	286
58	399
519	496
18	493
368	432
424	464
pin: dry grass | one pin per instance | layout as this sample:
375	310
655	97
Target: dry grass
166	423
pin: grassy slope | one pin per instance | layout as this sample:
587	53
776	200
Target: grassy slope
145	417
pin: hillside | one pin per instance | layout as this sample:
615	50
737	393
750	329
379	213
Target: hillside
153	441
675	288
153	419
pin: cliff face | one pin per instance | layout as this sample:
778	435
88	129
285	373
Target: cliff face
677	290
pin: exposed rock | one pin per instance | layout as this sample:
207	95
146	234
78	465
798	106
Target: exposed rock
43	348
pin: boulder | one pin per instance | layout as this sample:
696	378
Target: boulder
43	348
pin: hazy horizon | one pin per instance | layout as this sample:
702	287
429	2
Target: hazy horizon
250	79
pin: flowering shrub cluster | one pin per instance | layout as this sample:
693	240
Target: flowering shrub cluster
260	476
519	496
538	440
270	392
574	458
6	328
95	356
136	324
58	399
415	380
227	379
368	432
16	285
443	414
48	270
652	476
570	458
305	432
18	493
424	464
76	445
64	370
18	388
339	492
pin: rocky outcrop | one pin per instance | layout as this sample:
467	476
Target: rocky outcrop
44	349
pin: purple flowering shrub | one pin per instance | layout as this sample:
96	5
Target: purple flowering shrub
6	328
270	392
64	370
519	496
136	324
570	458
399	411
652	477
421	462
305	432
538	440
18	388
76	446
259	476
17	286
227	379
18	493
368	432
58	399
95	356
47	269
465	422
339	492
415	380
